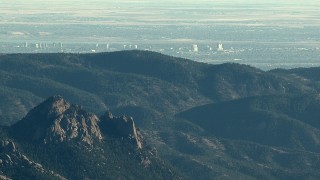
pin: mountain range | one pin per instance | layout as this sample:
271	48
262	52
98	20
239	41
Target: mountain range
191	120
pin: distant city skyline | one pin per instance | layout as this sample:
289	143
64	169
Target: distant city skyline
283	30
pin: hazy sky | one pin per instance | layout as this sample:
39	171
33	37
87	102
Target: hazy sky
20	7
16	4
39	14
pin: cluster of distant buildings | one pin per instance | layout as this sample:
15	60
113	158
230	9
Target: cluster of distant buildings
42	45
105	47
195	47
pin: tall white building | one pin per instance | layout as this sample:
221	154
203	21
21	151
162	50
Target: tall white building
220	47
195	48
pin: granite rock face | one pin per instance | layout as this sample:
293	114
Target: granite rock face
56	120
122	127
74	123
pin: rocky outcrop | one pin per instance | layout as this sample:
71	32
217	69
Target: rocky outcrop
4	177
123	127
56	120
75	123
7	146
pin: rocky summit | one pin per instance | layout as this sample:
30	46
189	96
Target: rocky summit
56	120
60	140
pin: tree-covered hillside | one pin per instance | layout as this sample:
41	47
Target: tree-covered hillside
227	121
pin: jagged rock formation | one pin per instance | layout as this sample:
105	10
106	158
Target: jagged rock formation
76	144
123	127
56	120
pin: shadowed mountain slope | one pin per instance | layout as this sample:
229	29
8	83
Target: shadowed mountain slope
131	78
285	121
227	121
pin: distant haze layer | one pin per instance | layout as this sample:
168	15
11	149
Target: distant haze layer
272	30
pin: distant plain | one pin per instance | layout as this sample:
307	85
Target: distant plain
264	34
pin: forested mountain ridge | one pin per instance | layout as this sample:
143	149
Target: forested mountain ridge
224	121
111	80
